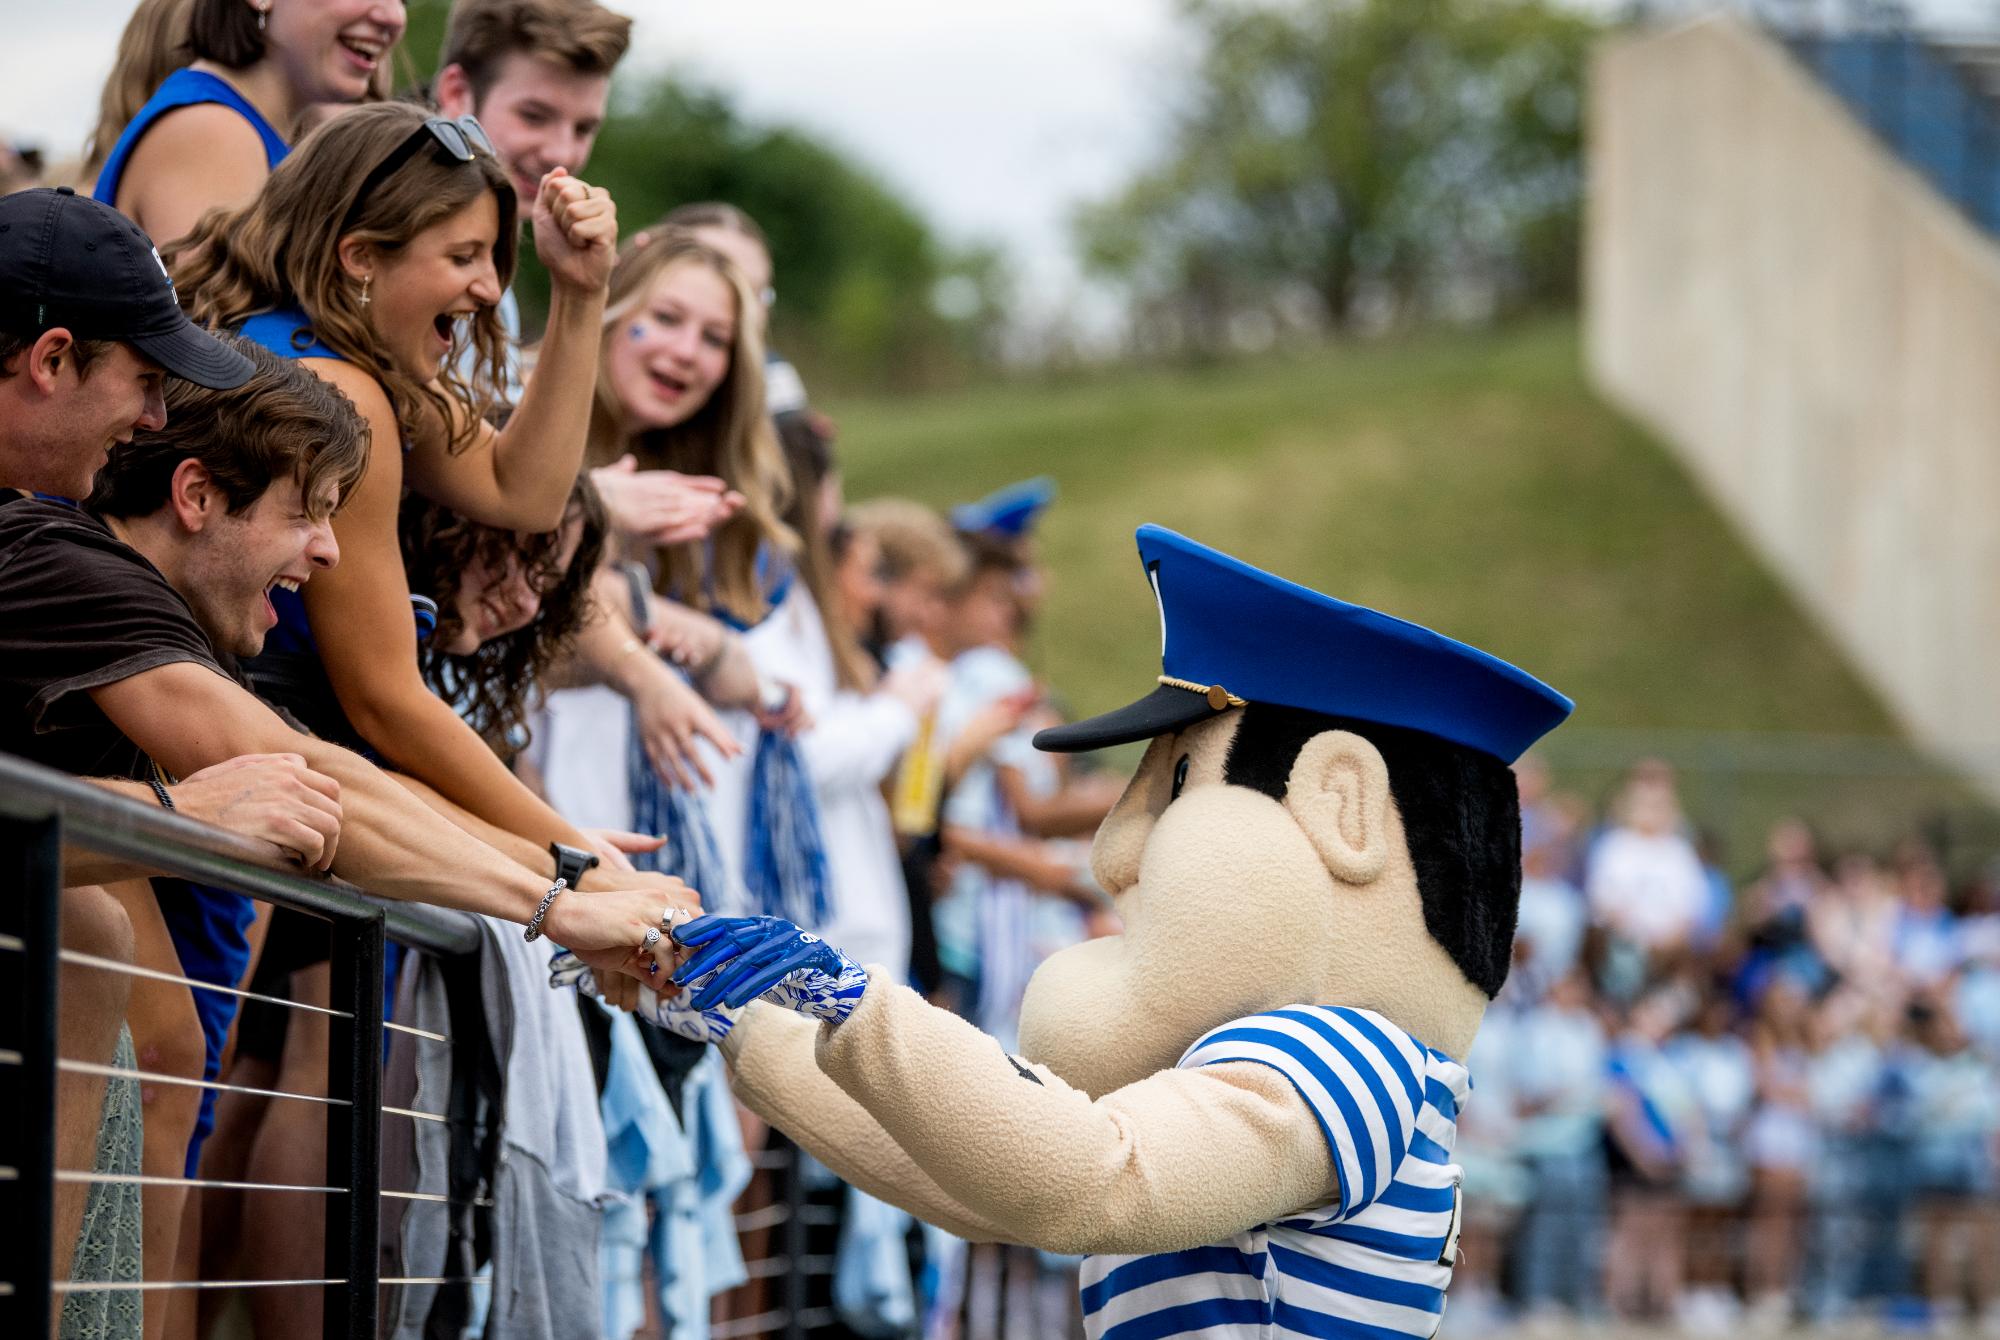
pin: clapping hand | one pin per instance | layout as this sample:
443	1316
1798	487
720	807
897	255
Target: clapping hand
663	507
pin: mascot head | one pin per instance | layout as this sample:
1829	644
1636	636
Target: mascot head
1326	815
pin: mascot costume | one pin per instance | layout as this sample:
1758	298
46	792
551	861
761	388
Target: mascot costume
1241	1109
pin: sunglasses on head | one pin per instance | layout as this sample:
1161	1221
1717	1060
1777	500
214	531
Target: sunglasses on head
461	140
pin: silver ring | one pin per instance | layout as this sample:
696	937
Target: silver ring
652	937
667	921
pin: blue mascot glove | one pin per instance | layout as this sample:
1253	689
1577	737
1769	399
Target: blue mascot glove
738	959
676	1013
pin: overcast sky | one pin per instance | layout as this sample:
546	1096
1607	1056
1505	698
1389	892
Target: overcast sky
996	119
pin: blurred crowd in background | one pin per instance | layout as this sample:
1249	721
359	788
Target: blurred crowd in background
1733	1105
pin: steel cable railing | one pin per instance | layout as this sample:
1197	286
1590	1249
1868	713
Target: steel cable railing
40	810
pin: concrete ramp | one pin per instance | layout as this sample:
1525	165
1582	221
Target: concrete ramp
1817	333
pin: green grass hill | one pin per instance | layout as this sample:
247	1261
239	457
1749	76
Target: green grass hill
1469	481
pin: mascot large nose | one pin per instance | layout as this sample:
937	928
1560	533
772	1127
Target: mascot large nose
1121	838
1121	841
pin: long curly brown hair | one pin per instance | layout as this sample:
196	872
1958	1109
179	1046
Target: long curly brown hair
493	688
283	249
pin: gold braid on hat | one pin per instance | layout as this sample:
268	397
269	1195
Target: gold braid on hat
1218	697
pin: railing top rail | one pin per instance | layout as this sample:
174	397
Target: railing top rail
118	826
1937	19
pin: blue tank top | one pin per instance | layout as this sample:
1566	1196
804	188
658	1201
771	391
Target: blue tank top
288	333
185	87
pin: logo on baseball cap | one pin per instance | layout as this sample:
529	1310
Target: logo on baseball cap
67	260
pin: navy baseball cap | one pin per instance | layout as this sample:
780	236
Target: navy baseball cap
1231	634
1008	513
67	260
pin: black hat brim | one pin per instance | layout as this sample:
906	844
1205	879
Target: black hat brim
1163	710
192	354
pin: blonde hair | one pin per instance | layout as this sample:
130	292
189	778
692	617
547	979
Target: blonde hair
913	538
283	248
153	45
730	436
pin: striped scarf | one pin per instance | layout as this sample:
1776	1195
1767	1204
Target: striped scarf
691	854
784	861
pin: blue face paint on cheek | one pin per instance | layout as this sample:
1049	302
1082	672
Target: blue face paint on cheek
636	331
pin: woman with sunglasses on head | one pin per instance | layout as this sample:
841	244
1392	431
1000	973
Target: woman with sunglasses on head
375	254
211	133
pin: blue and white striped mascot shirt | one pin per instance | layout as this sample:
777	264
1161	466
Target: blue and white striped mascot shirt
1371	1266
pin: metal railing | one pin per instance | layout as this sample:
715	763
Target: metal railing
40	811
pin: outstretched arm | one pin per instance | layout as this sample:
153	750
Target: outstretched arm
1178	1160
519	477
774	1073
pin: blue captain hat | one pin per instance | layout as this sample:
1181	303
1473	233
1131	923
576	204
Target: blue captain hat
1232	634
1008	513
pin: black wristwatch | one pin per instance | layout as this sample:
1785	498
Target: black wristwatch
571	862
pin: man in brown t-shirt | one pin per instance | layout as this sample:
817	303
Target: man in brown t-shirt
116	622
118	625
90	333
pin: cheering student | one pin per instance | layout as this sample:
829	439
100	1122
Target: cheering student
215	129
373	256
510	604
537	75
681	389
89	344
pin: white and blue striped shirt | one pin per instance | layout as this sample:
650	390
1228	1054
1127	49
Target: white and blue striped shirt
1372	1265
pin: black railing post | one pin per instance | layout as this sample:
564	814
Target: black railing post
792	1236
30	911
354	1129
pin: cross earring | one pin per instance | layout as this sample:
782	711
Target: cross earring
366	280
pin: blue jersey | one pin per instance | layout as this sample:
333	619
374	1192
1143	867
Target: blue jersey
185	87
1370	1265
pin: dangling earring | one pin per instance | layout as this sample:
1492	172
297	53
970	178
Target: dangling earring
263	17
366	280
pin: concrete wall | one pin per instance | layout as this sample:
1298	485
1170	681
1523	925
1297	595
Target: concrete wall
1818	335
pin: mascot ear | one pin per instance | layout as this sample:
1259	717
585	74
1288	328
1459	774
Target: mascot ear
1339	794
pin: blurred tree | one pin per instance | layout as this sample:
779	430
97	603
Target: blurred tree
867	294
1351	161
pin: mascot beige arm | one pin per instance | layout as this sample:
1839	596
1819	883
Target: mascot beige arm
918	1108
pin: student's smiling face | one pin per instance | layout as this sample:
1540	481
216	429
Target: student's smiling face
539	113
331	49
671	351
422	294
235	561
